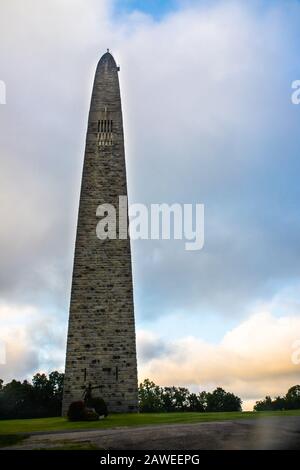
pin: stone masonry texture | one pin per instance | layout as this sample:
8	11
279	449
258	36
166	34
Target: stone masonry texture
101	346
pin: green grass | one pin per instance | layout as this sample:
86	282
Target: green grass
131	419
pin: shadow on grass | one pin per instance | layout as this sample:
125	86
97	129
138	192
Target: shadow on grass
11	439
72	446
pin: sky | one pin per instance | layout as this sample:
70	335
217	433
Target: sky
208	116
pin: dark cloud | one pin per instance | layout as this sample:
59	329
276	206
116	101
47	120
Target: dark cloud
150	346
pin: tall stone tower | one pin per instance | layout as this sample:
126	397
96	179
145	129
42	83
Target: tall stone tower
101	348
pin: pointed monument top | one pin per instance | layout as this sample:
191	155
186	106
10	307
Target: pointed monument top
108	60
107	57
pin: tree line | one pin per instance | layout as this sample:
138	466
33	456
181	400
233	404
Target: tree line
153	398
291	401
42	397
39	399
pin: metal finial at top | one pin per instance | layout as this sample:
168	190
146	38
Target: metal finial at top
107	50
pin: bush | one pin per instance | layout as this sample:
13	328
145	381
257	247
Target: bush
76	411
79	411
99	406
89	415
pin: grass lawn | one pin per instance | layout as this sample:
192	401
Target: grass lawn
15	426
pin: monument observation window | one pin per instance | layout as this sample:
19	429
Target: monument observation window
105	132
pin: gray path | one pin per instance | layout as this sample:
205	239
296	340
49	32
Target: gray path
264	433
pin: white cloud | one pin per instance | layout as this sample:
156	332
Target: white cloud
252	360
33	341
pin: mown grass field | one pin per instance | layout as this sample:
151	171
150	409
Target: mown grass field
16	426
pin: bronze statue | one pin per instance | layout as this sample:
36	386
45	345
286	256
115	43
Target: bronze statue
87	394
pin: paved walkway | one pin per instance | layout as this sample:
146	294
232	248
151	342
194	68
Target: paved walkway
263	433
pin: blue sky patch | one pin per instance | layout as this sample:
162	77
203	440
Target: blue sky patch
155	8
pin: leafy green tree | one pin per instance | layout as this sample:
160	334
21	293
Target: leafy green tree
290	402
196	402
270	405
41	398
150	396
293	398
219	400
202	400
14	398
279	403
167	399
56	380
181	396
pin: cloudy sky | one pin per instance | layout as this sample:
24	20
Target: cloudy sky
206	89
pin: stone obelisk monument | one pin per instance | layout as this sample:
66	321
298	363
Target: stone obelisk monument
101	347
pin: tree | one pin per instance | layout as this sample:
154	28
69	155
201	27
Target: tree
219	400
202	399
264	405
232	402
150	397
293	398
48	392
41	398
175	398
153	398
14	399
167	399
279	404
56	379
181	396
197	402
